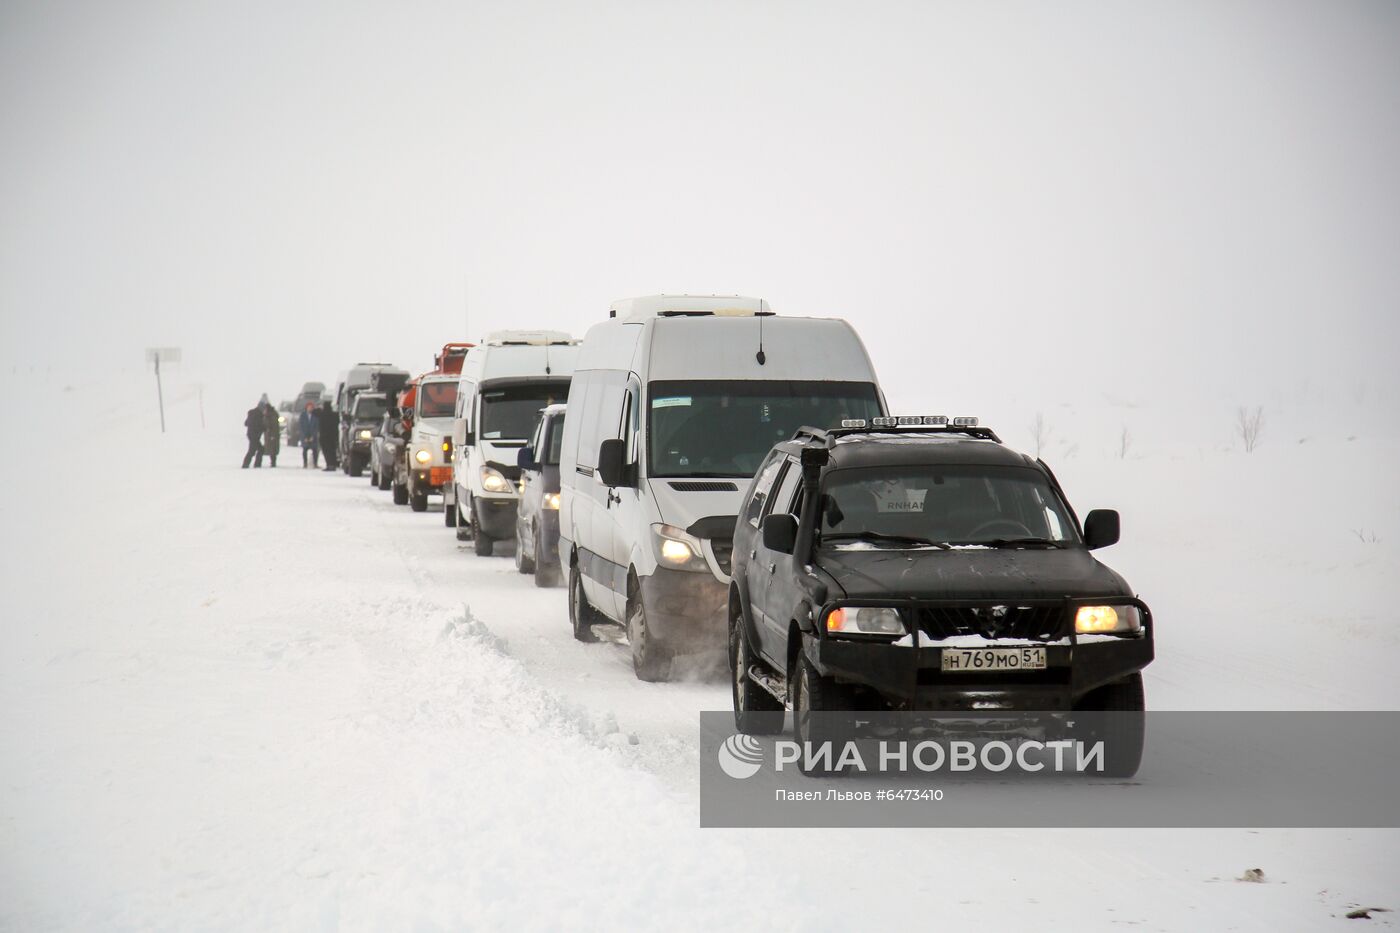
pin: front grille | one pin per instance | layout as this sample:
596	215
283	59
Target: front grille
724	552
703	486
1034	623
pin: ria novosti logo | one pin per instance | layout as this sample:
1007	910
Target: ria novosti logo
740	756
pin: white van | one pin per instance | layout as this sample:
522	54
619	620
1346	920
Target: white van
675	402
506	379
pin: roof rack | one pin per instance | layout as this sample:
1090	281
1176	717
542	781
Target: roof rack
935	424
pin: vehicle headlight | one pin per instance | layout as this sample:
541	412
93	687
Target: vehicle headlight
551	500
676	549
366	434
281	419
422	456
1107	620
493	481
864	620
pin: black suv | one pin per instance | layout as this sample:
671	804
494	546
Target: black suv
914	564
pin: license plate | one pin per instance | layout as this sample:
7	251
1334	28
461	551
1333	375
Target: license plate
993	659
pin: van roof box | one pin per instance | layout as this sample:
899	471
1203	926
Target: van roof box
529	338
689	306
387	381
449	359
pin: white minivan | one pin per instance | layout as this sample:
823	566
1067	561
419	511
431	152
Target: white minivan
675	402
506	379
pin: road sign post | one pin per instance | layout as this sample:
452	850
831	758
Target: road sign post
156	355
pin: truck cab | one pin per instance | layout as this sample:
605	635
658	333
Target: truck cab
425	468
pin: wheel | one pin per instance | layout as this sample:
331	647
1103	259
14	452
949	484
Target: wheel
400	494
756	711
582	616
357	467
418	501
650	659
449	514
386	480
460	521
817	703
1121	724
522	563
373	475
480	542
546	572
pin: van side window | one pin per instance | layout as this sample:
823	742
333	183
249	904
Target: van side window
766	475
589	397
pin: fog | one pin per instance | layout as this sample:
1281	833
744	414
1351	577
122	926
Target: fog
1015	204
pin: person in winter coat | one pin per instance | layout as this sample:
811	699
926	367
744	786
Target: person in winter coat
272	432
253	424
310	436
328	424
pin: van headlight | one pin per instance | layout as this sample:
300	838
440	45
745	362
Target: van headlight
493	481
1107	620
864	620
676	549
551	501
365	434
422	456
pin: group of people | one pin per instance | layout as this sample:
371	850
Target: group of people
319	429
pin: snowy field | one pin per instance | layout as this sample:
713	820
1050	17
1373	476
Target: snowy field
273	700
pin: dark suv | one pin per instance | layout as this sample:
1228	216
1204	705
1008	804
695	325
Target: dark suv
913	564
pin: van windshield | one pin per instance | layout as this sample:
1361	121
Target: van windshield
437	399
370	407
511	412
726	427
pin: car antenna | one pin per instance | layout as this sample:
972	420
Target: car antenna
547	370
760	355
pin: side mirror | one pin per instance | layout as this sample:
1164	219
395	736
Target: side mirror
525	458
468	439
780	533
1100	528
612	465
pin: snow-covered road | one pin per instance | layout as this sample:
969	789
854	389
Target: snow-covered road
272	699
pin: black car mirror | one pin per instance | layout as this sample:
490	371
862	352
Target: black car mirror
780	533
469	439
1101	528
612	462
525	458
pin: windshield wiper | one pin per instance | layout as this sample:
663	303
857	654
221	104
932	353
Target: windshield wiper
881	536
1022	542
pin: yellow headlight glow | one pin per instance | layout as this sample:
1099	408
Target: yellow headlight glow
551	500
422	456
1092	619
677	552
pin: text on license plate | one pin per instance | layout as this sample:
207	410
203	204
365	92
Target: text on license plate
993	659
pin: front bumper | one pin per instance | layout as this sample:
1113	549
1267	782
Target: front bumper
497	516
912	678
686	611
432	479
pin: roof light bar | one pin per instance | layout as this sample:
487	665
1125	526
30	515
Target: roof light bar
883	422
852	422
965	422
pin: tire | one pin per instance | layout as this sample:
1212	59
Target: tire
756	711
461	523
522	563
386	480
374	475
813	693
546	573
582	616
449	514
481	544
1124	732
650	660
400	494
418	501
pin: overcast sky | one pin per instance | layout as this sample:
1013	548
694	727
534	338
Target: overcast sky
1026	199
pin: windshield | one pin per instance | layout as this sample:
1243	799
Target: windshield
369	409
727	427
437	399
512	412
552	442
915	505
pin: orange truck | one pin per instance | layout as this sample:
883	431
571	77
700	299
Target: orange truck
422	462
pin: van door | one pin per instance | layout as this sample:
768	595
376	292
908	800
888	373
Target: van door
624	511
